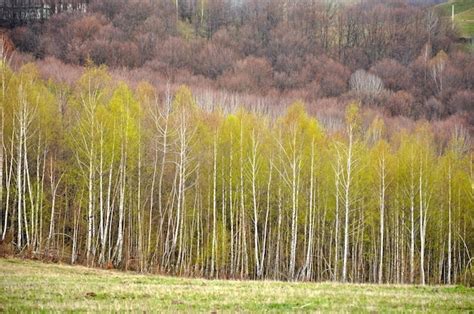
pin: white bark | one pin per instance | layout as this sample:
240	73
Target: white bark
265	231
337	173
382	215
54	189
448	275
9	176
347	191
309	247
253	174
214	206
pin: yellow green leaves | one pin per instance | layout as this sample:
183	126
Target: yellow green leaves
94	80
353	118
24	90
352	114
184	100
376	130
238	194
299	126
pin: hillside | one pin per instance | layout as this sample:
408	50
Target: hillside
463	15
27	286
308	50
465	21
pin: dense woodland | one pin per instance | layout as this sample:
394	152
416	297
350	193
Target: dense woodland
406	56
105	175
107	160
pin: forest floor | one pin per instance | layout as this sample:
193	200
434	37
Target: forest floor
34	286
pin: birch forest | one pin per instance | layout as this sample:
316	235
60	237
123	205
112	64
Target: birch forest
103	174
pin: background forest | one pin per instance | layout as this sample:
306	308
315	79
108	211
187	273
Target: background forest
401	58
107	160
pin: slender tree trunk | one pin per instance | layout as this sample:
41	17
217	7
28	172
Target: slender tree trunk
10	174
309	248
19	170
2	150
278	239
412	221
336	231
231	208
90	207
448	275
347	187
121	228
141	256
253	174
152	203
295	169
107	226
101	192
54	189
164	149
214	207
382	216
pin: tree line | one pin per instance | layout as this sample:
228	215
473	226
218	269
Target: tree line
106	175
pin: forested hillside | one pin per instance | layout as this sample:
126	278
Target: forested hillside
399	58
105	175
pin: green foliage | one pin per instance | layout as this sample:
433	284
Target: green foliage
181	178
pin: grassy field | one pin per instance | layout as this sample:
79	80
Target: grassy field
465	21
463	14
34	286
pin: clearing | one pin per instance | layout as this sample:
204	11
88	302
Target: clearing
34	286
463	15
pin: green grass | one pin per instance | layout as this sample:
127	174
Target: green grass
459	6
34	286
463	15
465	21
